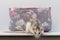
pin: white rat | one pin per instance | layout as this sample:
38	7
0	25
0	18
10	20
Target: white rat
34	26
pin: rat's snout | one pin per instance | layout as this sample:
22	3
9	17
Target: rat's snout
37	32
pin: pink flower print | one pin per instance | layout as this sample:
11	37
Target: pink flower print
34	16
30	12
12	14
17	15
48	11
12	9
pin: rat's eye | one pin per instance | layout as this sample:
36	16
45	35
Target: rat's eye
39	32
41	29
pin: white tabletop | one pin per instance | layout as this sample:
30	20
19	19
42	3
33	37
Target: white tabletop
4	33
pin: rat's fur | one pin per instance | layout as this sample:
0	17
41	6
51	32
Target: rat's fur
34	26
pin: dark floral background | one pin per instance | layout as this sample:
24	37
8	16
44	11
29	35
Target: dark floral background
20	16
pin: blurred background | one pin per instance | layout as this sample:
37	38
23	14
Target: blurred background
6	4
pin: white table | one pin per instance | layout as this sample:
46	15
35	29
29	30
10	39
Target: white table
8	33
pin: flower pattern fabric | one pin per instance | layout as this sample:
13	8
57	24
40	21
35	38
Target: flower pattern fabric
20	16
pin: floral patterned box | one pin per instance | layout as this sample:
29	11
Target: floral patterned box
20	16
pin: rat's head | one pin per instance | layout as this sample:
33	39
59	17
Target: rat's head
37	31
37	27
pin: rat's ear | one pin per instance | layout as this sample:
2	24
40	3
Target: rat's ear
34	28
42	29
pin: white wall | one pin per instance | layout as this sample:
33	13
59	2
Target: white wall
6	4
